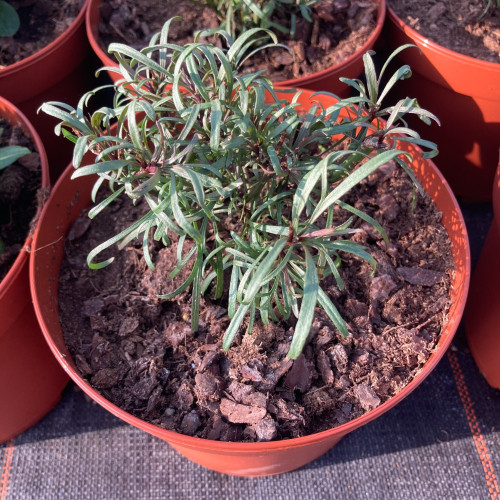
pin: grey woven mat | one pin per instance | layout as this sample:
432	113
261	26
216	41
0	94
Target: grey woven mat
442	442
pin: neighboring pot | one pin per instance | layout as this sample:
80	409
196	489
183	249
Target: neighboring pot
31	380
69	197
482	318
61	70
464	93
326	80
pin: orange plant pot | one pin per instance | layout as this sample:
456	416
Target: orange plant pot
326	80
464	93
62	71
243	459
31	380
482	318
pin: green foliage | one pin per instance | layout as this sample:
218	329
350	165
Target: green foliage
10	154
238	16
248	178
489	5
9	20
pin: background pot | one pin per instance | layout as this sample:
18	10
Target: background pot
31	380
482	318
69	197
327	79
464	93
63	71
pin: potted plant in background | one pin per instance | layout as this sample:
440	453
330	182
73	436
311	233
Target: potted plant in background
483	306
319	52
31	381
31	73
448	79
244	187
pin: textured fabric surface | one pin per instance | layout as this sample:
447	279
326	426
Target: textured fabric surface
443	441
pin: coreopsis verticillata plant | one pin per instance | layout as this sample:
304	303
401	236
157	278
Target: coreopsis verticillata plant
238	16
203	144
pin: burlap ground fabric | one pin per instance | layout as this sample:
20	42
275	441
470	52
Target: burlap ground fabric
442	442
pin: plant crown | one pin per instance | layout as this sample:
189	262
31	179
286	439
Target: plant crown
246	179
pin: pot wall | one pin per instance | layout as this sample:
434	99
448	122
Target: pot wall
244	459
482	319
464	93
326	80
31	380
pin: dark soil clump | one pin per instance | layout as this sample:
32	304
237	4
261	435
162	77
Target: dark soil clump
19	184
41	23
338	30
458	25
139	352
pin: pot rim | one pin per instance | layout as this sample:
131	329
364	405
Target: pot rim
92	18
10	112
441	50
175	438
46	51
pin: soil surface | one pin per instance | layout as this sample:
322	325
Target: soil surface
339	28
139	352
41	23
455	24
19	184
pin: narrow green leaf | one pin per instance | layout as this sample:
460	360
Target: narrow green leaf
233	287
362	215
121	49
332	312
215	124
234	326
51	109
179	216
352	180
261	272
99	168
192	275
306	313
371	75
79	150
103	204
10	154
304	190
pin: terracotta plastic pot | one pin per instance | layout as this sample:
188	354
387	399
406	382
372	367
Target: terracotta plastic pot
464	93
62	71
244	459
482	318
327	79
31	380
